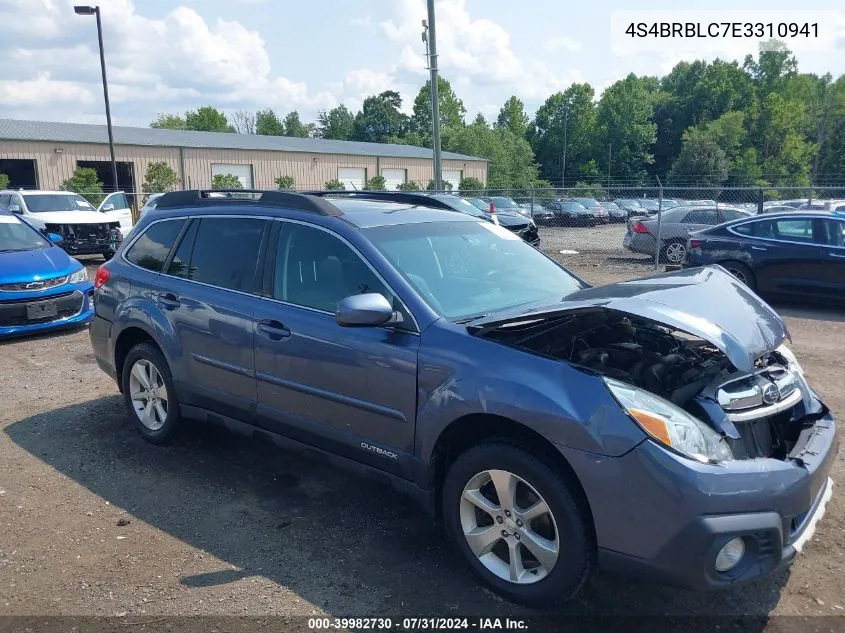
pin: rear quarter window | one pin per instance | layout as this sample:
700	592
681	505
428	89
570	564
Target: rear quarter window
150	250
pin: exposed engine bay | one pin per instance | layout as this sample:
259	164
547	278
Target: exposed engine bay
761	413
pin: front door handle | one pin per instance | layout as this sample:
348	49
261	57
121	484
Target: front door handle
169	300
272	329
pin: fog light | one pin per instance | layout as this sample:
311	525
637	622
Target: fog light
730	555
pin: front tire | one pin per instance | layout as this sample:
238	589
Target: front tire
149	394
520	523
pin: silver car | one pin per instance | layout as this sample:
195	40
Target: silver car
676	226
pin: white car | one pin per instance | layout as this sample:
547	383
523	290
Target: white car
84	229
150	204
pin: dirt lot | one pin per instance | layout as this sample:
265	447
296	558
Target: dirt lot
222	525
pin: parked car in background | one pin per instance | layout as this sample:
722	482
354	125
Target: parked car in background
84	229
823	205
150	203
799	254
503	203
526	228
593	205
794	203
554	428
675	229
538	213
634	208
41	286
571	213
778	209
616	213
649	205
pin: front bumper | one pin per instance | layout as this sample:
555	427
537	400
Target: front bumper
75	307
661	516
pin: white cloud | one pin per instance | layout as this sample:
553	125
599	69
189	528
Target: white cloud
365	20
41	90
562	43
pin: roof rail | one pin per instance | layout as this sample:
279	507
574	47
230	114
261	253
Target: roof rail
407	197
258	197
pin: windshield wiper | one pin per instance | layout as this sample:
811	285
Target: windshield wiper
16	250
470	319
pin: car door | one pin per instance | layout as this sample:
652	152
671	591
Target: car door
351	391
117	209
205	298
695	220
787	256
830	234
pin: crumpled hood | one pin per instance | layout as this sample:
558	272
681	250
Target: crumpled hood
705	302
69	217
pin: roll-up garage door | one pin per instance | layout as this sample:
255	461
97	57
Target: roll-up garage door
393	178
453	177
353	178
242	172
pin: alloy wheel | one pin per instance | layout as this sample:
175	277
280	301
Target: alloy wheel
739	274
148	394
676	252
509	527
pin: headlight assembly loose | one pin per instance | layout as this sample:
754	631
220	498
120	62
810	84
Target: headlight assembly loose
670	425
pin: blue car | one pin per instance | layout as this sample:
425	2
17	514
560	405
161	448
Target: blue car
659	427
41	286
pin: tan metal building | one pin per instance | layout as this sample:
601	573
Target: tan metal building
42	154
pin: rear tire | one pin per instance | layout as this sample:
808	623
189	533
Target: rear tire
149	394
543	512
674	252
742	272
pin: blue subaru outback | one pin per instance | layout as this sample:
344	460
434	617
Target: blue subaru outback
659	427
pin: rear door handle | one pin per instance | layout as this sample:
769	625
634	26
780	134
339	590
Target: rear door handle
759	248
272	329
169	300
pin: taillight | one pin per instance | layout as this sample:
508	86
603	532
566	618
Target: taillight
694	243
102	276
492	208
639	227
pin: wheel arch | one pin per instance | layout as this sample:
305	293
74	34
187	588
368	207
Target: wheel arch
472	429
128	338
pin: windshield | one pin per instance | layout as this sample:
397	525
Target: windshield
651	205
589	203
479	204
468	269
460	204
57	202
17	236
504	203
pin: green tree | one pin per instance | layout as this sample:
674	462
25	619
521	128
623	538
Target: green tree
295	127
583	189
452	110
268	124
785	154
701	161
334	185
380	118
376	183
207	119
774	65
4	181
512	117
169	122
626	130
284	182
410	185
160	177
226	181
84	181
337	124
832	160
471	184
566	119
445	184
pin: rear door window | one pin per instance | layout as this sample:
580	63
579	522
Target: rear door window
180	264
225	252
833	233
702	216
799	230
729	215
150	250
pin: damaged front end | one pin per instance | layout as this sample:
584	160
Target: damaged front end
725	365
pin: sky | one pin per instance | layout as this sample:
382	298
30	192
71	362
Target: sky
168	56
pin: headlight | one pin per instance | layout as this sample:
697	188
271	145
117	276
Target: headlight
78	276
669	424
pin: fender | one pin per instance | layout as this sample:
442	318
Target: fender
568	406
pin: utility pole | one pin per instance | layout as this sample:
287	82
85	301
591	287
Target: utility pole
435	93
609	153
563	168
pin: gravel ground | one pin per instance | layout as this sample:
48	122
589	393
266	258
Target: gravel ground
97	522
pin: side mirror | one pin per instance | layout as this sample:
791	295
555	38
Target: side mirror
55	238
365	310
15	208
108	207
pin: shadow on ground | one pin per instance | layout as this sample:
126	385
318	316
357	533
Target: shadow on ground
348	545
